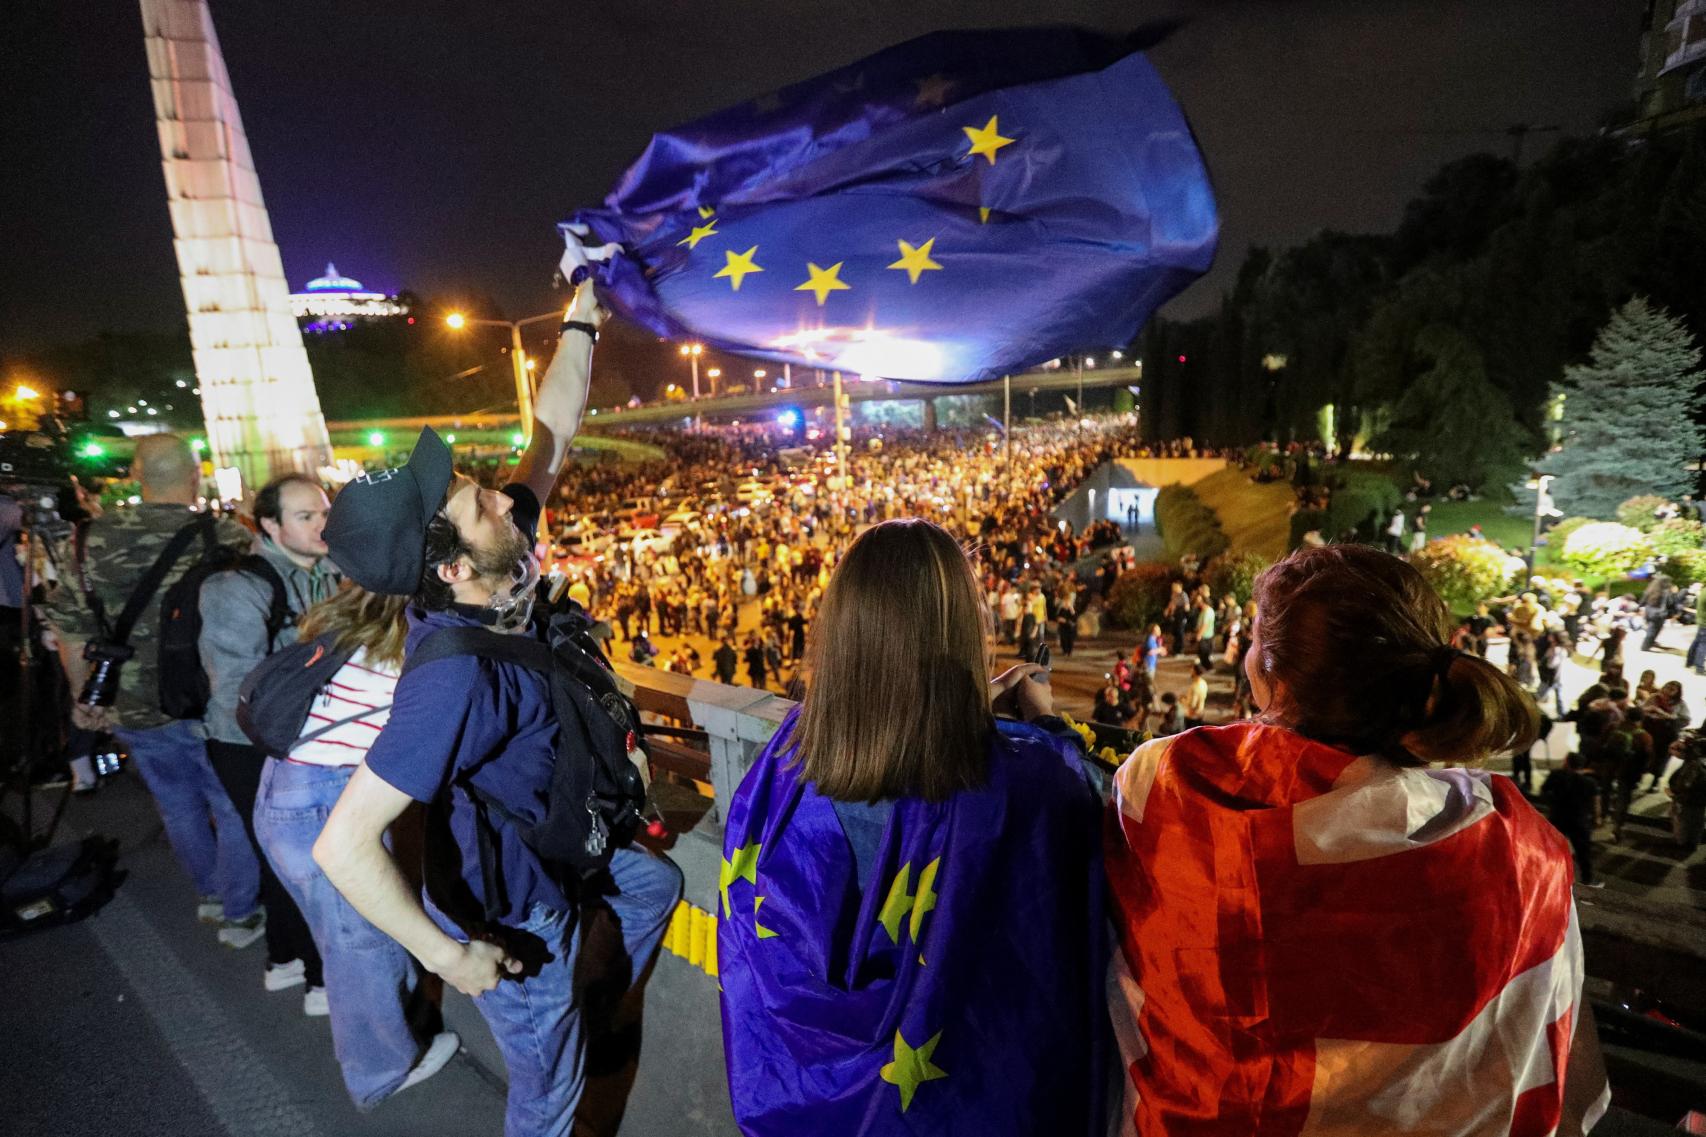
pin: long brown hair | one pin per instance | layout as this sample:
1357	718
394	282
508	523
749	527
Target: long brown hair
1355	644
898	703
360	619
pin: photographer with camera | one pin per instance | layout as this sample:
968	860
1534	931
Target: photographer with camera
104	566
487	740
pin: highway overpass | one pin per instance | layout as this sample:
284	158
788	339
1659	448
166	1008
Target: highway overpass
742	406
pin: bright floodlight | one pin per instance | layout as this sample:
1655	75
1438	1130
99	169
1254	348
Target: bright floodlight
788	419
455	320
376	439
28	392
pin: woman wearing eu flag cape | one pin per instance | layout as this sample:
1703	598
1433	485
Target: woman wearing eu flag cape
911	935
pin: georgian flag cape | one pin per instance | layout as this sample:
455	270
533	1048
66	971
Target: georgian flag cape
1314	943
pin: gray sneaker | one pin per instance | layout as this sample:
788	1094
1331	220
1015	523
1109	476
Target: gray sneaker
210	910
240	934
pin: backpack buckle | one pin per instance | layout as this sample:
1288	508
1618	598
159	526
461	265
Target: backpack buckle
597	833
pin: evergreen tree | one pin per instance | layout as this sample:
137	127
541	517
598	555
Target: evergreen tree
1451	422
1629	414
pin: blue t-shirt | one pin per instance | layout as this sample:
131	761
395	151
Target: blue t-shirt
1151	651
466	713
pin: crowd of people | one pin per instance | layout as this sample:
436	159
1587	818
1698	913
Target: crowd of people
749	578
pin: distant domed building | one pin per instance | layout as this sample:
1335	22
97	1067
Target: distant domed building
332	303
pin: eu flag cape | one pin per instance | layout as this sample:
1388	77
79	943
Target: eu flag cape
958	990
959	207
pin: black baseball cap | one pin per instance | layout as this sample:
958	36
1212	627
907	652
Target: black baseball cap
377	527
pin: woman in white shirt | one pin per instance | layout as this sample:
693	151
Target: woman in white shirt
371	982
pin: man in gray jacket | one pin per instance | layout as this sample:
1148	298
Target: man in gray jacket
239	628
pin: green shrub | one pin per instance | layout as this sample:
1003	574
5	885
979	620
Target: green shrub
1687	567
1302	522
1139	595
1559	533
1236	573
1640	512
1352	510
1369	483
1187	525
1465	570
1606	548
1677	535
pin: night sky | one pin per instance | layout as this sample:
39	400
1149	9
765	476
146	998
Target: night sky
433	146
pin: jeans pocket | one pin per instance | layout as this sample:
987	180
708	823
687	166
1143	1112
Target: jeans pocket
288	836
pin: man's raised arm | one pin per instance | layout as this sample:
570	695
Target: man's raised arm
561	400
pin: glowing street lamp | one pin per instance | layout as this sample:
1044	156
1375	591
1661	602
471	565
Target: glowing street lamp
24	393
713	375
518	359
692	352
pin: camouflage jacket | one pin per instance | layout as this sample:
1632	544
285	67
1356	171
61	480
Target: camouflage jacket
117	552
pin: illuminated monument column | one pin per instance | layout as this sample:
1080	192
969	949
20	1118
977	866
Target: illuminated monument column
257	392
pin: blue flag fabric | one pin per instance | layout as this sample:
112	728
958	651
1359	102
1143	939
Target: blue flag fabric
960	989
956	208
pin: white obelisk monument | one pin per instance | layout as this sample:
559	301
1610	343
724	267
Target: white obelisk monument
257	392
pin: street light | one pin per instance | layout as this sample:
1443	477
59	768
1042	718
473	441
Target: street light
692	352
24	392
519	362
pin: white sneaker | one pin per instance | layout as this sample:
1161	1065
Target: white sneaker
443	1048
282	976
239	934
314	1003
210	910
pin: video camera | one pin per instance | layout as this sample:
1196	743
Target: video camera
38	466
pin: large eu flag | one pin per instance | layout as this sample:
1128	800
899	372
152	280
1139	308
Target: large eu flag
959	207
953	984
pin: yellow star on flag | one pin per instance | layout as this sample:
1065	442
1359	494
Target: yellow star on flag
916	261
706	212
700	232
898	904
823	281
738	266
986	141
744	866
763	932
983	215
926	899
912	1068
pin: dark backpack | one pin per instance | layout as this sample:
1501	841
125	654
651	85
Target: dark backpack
597	796
276	698
184	689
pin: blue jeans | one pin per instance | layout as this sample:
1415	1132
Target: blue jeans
536	1020
1697	649
202	825
370	980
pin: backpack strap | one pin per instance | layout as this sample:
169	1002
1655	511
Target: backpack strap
523	651
278	612
151	580
331	726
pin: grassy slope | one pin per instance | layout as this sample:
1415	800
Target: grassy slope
1448	517
1257	518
